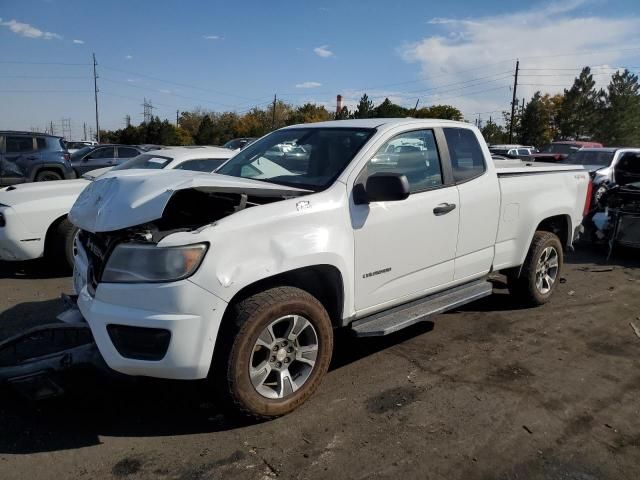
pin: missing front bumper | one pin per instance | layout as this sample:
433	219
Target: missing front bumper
30	360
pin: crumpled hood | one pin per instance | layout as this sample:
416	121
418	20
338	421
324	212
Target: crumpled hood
127	198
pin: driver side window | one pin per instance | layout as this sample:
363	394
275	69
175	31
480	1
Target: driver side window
413	154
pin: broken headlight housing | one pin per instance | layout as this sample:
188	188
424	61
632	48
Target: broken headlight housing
143	263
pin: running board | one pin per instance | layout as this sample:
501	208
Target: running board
403	316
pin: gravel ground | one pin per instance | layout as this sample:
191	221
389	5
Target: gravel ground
491	391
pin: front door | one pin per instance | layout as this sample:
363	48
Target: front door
407	248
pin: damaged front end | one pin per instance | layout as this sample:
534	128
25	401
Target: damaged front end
618	220
32	360
123	218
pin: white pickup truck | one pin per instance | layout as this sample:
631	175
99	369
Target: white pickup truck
243	275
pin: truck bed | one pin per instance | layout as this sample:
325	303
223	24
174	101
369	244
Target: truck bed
519	167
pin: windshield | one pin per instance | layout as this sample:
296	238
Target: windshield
563	148
145	161
590	157
81	153
310	158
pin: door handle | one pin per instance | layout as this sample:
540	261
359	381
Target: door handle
444	208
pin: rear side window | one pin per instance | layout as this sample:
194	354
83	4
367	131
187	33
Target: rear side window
19	144
127	152
42	143
201	164
107	152
467	160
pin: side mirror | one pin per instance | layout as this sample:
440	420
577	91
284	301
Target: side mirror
382	187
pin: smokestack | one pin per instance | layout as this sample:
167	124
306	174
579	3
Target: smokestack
338	104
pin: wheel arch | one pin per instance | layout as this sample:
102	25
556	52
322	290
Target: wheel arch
46	167
51	232
559	225
323	281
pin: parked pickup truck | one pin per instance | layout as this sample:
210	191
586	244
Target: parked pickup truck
557	151
33	216
243	275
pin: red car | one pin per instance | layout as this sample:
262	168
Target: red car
556	151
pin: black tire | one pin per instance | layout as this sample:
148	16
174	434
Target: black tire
47	176
524	286
246	322
60	244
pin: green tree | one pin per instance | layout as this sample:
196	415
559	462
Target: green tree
343	114
365	108
205	134
446	112
578	117
493	133
621	112
309	113
388	109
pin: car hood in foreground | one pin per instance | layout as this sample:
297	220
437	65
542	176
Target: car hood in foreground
24	193
127	198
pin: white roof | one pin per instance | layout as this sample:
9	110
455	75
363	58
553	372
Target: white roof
378	122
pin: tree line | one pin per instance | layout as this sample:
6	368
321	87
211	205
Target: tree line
203	127
582	112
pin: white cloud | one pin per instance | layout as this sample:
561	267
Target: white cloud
78	42
29	31
212	37
308	85
128	57
555	36
323	51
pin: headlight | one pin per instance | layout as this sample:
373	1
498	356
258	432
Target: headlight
140	263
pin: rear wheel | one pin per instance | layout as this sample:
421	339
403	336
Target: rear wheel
540	272
279	350
47	176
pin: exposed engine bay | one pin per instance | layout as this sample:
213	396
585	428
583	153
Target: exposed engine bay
617	220
187	210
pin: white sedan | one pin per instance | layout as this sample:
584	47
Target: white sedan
33	216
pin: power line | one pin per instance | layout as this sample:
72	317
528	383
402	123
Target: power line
172	94
170	82
47	77
16	62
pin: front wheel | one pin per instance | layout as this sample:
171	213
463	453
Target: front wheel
540	272
281	347
47	176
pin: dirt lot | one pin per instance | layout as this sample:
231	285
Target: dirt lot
491	391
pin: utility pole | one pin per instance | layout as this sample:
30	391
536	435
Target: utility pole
147	112
513	101
66	128
84	129
127	121
273	117
177	118
95	96
415	109
51	130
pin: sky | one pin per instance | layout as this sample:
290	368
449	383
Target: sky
226	56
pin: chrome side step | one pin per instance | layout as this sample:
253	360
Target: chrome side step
403	316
